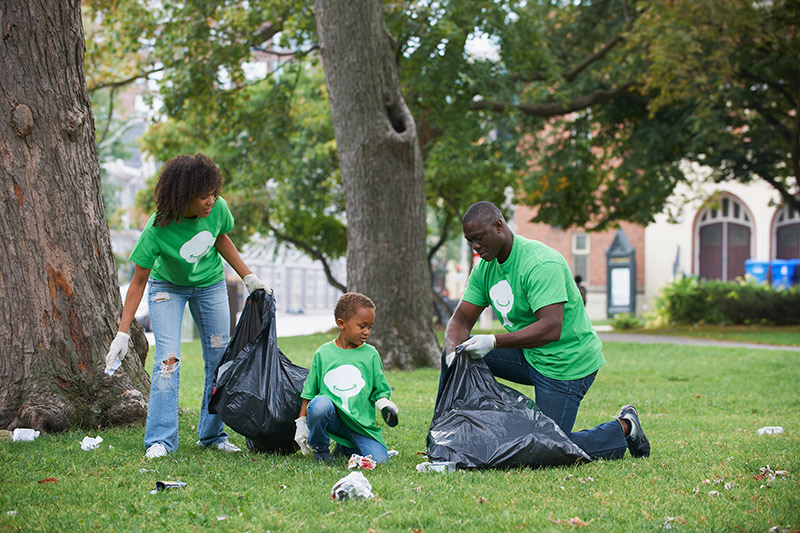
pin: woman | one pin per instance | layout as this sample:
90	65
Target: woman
180	251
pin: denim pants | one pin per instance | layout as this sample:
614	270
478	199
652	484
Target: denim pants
323	421
209	308
557	399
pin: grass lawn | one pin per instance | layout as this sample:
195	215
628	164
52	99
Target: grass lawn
700	406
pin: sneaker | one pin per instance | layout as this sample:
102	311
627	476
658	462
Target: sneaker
322	455
226	446
638	444
156	450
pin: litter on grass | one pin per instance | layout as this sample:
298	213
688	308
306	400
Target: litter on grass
91	443
770	430
164	485
364	463
24	434
353	486
768	474
444	467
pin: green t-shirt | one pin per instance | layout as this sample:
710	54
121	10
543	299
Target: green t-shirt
183	252
535	276
353	380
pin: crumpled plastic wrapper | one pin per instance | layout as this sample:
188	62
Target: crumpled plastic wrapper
354	486
23	434
91	443
364	463
770	430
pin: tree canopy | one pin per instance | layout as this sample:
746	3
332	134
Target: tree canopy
584	109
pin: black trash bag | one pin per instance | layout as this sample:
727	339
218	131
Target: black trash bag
480	423
256	387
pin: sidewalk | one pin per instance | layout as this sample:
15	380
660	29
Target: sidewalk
641	338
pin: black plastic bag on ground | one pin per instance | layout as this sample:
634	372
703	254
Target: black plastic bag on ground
257	388
480	423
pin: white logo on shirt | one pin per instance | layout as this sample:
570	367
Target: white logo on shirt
198	246
503	299
345	382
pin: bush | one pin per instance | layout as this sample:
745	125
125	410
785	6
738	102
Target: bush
695	301
625	321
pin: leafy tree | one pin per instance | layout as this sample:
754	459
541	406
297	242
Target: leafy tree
60	302
584	109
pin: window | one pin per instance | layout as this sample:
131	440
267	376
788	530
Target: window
786	234
724	234
580	256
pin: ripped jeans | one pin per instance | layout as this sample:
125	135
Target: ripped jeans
209	308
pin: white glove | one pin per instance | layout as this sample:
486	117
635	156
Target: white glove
252	283
301	435
449	358
388	411
117	352
479	345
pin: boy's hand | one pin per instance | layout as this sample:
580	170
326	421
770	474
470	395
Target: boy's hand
388	411
301	434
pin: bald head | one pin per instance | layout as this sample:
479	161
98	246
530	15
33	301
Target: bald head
487	232
482	213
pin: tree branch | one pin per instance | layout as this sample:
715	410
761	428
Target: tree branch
125	81
572	73
312	252
552	109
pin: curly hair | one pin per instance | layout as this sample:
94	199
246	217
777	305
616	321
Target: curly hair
182	178
349	303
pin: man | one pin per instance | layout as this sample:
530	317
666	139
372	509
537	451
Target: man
551	343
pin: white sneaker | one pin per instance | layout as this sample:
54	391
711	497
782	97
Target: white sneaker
156	450
226	446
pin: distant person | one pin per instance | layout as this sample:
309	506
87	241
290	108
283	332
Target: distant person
345	385
550	343
180	251
581	288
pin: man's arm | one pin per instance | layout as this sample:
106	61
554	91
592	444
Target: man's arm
460	324
545	330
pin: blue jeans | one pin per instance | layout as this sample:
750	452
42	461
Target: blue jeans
209	308
559	400
323	421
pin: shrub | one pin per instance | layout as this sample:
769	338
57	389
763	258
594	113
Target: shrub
626	321
691	300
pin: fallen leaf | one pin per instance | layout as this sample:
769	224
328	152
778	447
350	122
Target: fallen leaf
48	480
571	522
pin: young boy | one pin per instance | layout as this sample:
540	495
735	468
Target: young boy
344	386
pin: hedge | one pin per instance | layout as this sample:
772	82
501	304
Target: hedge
690	300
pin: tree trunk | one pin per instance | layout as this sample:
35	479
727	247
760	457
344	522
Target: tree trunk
59	299
383	179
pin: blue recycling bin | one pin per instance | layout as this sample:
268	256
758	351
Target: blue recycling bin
758	270
784	273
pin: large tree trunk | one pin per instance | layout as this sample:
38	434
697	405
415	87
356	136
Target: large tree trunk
59	299
383	180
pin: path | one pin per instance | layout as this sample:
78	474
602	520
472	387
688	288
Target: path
668	339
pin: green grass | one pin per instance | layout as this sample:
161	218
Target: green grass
700	406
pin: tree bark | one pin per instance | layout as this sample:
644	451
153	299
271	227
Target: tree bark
383	179
59	299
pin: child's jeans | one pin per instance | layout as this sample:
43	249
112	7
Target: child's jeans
209	308
323	421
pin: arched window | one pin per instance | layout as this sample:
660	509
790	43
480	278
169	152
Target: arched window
786	234
724	235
